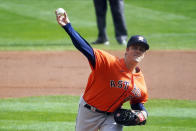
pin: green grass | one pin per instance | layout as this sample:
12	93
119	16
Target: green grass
38	113
31	25
56	113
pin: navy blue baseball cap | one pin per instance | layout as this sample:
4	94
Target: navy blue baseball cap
138	39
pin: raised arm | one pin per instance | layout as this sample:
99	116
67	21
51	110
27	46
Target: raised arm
80	43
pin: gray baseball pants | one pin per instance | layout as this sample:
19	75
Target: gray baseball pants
88	120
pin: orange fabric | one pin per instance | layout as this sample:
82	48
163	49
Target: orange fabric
110	84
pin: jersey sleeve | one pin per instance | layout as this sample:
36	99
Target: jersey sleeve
81	44
103	60
143	99
139	92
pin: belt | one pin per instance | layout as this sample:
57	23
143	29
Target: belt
96	110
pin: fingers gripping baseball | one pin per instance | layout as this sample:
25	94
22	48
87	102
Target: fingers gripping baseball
62	17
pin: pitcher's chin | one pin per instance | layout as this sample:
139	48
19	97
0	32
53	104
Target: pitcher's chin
138	59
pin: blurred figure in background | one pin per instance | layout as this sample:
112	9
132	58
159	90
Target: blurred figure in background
117	10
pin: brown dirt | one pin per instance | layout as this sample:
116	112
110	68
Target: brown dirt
168	74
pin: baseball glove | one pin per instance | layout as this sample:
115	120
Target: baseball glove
129	118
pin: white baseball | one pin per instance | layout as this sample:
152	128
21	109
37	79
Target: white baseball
60	11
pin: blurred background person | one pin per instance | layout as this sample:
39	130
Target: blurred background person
117	10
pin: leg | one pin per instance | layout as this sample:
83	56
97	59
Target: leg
100	10
110	125
88	120
117	9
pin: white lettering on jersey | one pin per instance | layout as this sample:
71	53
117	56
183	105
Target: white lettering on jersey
119	84
126	85
112	83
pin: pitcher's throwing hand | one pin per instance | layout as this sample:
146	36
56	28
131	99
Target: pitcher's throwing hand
62	17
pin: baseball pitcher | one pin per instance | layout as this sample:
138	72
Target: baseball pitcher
112	82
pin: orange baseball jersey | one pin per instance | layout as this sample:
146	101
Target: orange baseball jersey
110	83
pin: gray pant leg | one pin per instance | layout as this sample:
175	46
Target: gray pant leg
88	120
117	9
110	125
100	10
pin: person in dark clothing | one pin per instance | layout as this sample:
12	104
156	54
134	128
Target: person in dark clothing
117	10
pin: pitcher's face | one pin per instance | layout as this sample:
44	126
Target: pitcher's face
135	53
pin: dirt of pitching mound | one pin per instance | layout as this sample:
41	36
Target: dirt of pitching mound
168	74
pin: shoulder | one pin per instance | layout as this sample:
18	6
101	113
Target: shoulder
104	54
101	52
104	60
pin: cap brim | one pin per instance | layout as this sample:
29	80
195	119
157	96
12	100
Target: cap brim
142	44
